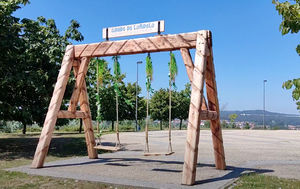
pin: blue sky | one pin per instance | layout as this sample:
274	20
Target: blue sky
248	46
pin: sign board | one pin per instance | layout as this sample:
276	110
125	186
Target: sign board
134	29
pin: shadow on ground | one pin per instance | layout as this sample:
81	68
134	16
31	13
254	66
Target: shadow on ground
235	172
17	147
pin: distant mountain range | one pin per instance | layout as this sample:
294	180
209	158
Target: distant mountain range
256	116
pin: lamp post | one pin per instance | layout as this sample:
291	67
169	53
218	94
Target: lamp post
264	101
136	94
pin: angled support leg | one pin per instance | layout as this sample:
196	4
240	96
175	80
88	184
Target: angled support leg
193	132
87	122
188	62
85	107
55	103
213	105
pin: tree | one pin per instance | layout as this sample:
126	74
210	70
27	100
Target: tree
103	78
182	101
290	12
172	75
159	106
117	79
129	96
232	118
149	77
31	52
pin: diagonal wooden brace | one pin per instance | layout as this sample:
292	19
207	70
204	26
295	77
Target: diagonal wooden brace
188	62
87	120
79	81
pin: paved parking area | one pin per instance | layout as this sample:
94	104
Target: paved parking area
267	152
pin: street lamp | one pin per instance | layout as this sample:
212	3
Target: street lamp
136	94
264	100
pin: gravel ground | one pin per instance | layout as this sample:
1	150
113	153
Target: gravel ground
268	152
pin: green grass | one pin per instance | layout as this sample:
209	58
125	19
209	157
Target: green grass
22	180
17	150
249	181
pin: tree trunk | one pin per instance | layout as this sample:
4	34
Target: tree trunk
160	124
24	128
112	125
117	125
180	124
80	125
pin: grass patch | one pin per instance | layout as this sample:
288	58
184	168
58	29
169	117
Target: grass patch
17	150
22	180
253	180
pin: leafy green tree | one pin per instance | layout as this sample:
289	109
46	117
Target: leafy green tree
31	52
232	118
182	101
117	80
290	12
129	92
149	77
98	77
247	125
206	124
173	71
159	106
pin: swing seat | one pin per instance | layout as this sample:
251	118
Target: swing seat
108	148
158	154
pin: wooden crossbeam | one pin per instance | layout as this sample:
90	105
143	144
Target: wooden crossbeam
134	46
74	115
208	115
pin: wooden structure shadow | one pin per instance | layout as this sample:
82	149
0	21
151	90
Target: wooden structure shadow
202	70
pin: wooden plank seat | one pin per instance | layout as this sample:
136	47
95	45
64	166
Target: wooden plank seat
108	148
158	154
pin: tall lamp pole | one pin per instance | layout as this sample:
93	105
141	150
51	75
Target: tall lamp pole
136	94
264	101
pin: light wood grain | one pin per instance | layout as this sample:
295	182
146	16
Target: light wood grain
83	67
74	115
193	131
55	103
213	105
189	65
107	148
134	46
87	122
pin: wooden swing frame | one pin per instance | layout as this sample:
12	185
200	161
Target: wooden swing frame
78	58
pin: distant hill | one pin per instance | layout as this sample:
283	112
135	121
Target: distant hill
271	118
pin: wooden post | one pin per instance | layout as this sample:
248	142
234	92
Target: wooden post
87	122
213	105
193	132
85	107
55	103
